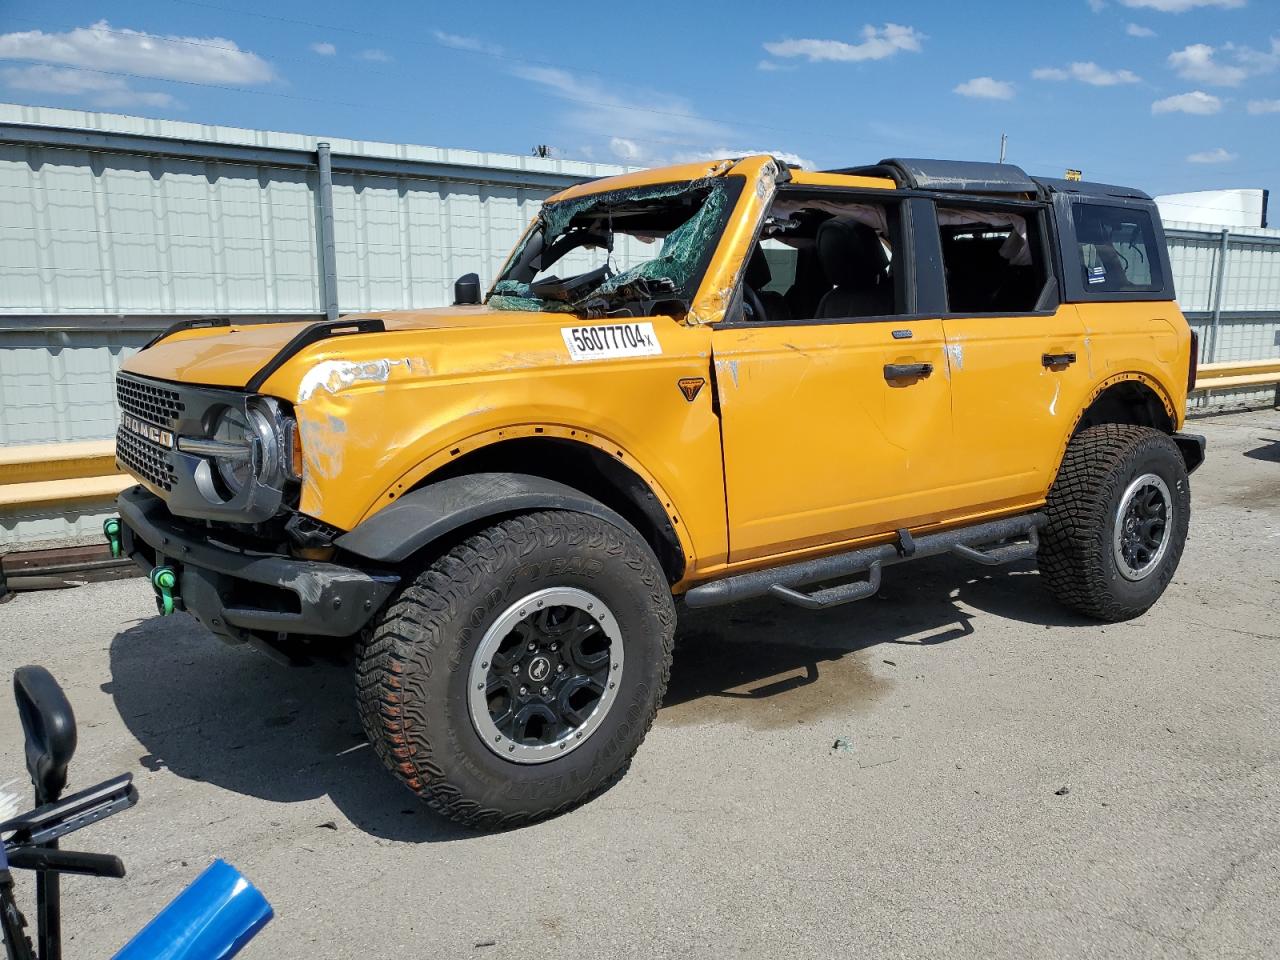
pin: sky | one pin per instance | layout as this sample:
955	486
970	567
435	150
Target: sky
1164	95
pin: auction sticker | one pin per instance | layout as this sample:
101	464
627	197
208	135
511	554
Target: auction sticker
607	341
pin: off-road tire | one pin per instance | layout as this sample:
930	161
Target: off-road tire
1076	557
412	670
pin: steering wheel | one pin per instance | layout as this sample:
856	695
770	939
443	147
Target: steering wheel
754	303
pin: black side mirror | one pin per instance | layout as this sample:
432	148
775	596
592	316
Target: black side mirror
50	729
466	289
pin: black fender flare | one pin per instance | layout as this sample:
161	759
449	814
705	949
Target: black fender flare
428	513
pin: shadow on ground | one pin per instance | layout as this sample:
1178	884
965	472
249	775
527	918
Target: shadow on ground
233	718
1269	451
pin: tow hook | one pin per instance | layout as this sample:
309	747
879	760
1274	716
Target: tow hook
111	530
163	579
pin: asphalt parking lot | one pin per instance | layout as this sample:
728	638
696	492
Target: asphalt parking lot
1010	781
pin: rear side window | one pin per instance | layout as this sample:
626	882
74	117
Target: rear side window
1117	249
992	258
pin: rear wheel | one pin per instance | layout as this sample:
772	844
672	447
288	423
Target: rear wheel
517	674
1118	516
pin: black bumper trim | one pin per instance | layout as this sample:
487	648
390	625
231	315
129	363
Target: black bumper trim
332	600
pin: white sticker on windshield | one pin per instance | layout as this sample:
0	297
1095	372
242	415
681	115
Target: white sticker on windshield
1098	274
611	340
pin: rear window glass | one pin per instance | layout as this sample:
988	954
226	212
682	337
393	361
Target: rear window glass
1117	249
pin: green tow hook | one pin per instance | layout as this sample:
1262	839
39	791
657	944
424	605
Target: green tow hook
111	530
163	579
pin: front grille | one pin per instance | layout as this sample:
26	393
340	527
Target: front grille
148	460
148	401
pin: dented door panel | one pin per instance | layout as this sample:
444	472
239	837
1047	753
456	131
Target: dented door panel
819	447
1011	409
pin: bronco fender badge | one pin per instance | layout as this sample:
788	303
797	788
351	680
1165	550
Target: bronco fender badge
690	386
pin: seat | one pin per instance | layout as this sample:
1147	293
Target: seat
758	277
856	266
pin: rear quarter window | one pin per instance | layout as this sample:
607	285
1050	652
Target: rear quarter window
1117	250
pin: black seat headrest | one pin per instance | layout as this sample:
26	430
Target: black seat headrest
851	253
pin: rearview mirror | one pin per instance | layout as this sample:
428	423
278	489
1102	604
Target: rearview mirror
466	290
49	727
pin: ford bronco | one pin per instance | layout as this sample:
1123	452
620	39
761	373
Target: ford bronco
713	382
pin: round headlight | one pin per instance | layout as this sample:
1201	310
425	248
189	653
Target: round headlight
253	433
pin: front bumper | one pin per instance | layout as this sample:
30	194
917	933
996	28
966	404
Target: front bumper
244	595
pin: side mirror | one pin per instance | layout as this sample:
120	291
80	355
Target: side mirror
49	727
466	290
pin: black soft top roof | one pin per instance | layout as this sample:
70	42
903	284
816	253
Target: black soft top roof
968	176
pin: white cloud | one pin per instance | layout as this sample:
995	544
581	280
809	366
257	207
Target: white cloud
771	66
986	88
375	56
624	149
1181	6
473	44
1217	155
324	48
1258	61
722	153
1097	5
1197	63
1088	72
1137	30
103	47
878	43
646	126
1259	107
99	90
1196	102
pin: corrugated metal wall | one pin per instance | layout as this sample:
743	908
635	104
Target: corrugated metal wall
103	243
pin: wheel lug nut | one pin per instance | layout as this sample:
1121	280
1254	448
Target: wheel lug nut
554	646
523	691
516	668
545	691
533	646
559	668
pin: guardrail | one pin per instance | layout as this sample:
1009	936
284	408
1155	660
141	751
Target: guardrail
1243	373
52	473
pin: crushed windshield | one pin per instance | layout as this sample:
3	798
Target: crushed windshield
626	252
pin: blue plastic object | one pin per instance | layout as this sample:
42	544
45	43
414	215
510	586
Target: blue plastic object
212	919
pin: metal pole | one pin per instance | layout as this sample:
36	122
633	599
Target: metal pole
328	257
1004	142
1217	294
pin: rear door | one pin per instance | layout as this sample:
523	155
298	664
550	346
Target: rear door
836	427
1017	357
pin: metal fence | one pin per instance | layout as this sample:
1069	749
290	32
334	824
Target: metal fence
112	227
1228	283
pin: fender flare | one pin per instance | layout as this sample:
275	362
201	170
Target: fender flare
423	516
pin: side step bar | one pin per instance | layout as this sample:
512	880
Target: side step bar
782	582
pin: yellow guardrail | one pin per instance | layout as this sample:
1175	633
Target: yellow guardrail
51	473
1242	373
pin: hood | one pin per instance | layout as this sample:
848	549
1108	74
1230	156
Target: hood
231	356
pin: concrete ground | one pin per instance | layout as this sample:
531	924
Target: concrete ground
1017	782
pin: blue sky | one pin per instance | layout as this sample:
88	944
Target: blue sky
1166	95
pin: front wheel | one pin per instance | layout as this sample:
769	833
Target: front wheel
515	677
1118	516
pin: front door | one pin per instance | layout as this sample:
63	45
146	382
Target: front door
831	430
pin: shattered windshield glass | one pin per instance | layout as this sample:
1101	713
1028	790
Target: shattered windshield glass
625	252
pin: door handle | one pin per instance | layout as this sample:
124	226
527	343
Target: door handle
907	371
1058	359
